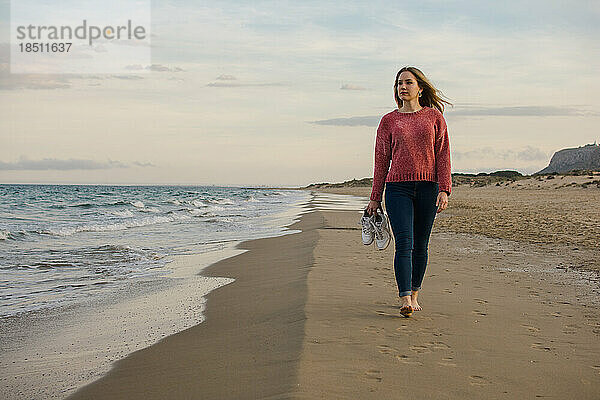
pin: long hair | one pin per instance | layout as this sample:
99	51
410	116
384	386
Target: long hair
431	96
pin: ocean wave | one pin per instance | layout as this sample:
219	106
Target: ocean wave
89	205
137	204
149	209
197	203
120	203
46	265
111	248
124	249
71	230
82	205
222	200
123	214
15	235
199	213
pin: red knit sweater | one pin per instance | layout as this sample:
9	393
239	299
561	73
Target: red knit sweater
418	146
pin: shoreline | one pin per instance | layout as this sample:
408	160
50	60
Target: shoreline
51	353
250	342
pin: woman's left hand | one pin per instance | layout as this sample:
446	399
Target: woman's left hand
442	201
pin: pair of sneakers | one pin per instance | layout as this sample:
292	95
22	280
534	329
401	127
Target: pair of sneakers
375	228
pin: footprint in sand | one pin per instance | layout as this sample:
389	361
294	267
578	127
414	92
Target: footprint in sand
374	374
420	349
387	314
372	329
444	363
448	291
408	360
385	349
480	313
478	380
481	301
367	283
542	346
438	315
531	328
570	329
597	368
438	346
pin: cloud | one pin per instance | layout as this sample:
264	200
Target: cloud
126	77
351	121
162	68
474	111
153	67
24	164
129	42
141	164
224	77
348	86
528	153
520	111
525	170
10	81
236	84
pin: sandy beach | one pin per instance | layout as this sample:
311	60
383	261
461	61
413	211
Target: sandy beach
314	315
498	321
510	310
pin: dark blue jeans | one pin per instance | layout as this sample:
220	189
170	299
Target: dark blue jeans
411	210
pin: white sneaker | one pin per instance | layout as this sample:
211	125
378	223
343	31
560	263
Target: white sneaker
382	231
368	230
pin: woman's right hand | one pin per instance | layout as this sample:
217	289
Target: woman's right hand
373	206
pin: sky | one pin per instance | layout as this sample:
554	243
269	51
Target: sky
288	93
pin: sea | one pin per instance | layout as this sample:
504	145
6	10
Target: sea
63	244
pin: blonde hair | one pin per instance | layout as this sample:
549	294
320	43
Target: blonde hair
431	96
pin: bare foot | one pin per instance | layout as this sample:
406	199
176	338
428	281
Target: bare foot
405	306
405	301
413	300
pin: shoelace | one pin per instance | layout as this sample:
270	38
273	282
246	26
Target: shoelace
378	230
378	233
366	227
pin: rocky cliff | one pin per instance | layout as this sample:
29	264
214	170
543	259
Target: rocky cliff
584	157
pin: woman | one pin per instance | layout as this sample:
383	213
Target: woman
414	137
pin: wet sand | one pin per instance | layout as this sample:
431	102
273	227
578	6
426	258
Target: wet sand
250	343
